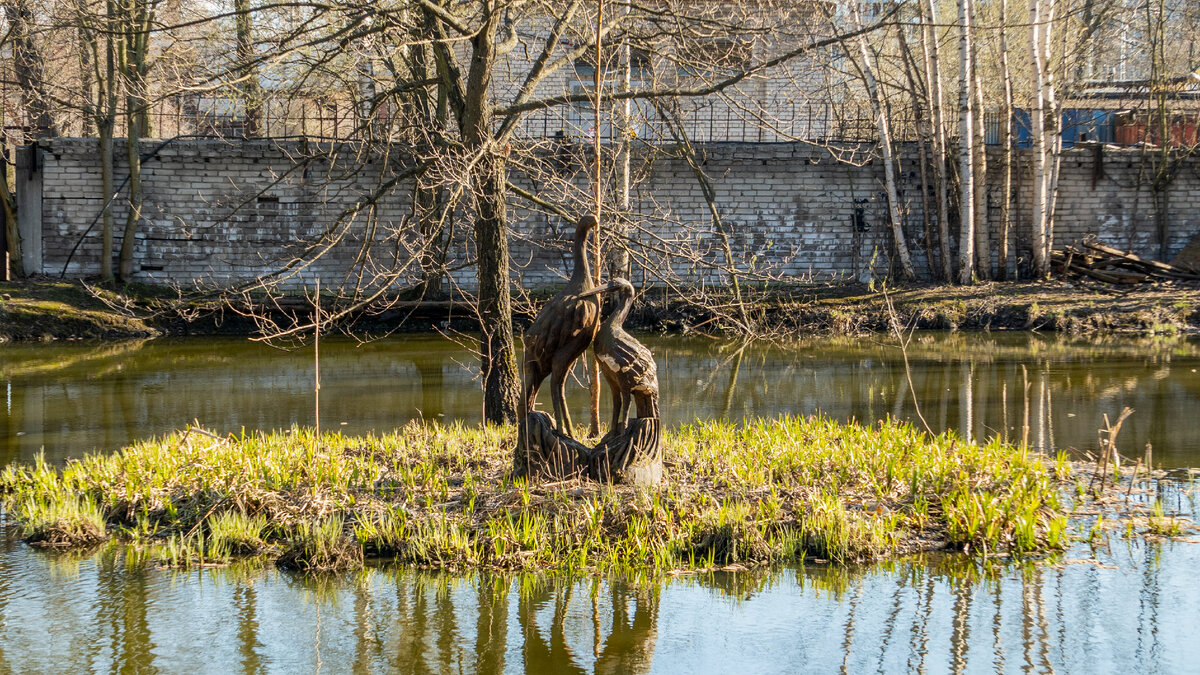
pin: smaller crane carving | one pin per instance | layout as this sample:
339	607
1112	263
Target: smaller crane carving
627	364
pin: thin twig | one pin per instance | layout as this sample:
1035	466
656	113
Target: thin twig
894	322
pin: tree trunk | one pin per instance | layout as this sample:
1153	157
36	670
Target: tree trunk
501	392
87	47
1041	194
247	71
430	201
12	234
889	168
1006	153
106	103
1164	169
105	128
29	68
134	215
933	75
618	254
920	99
501	389
966	103
132	58
983	249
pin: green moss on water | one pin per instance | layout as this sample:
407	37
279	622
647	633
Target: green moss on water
437	496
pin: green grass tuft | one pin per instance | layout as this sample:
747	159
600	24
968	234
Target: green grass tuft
762	492
322	546
63	520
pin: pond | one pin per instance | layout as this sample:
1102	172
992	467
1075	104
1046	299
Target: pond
72	398
1125	604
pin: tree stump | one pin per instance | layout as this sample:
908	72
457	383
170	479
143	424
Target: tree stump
633	456
544	452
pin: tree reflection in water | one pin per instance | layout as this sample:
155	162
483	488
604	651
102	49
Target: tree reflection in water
115	610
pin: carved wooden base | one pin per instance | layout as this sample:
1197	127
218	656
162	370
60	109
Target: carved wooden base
633	456
544	452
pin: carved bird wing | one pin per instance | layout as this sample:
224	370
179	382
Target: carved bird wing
632	356
579	322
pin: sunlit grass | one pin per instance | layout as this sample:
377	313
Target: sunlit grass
783	490
60	520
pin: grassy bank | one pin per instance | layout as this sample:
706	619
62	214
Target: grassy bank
779	491
67	310
64	310
852	309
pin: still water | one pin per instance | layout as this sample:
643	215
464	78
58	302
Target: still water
71	399
1128	605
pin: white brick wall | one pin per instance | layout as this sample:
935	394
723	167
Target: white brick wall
222	212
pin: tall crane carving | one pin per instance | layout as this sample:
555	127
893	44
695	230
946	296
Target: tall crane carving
627	364
562	331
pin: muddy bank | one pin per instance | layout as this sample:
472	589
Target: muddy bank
45	310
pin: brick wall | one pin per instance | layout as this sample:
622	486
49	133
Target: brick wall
222	212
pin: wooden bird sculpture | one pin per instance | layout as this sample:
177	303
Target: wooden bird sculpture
627	364
563	329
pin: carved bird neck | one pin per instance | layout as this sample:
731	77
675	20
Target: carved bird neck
581	276
616	321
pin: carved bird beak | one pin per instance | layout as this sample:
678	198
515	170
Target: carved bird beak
607	288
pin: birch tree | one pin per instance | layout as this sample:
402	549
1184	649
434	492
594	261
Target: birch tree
895	219
933	75
1041	16
966	127
983	249
1006	152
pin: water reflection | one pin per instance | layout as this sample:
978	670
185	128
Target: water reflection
111	611
1047	390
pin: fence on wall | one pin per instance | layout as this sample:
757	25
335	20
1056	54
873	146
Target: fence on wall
1126	122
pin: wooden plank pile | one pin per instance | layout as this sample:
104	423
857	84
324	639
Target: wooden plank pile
1105	263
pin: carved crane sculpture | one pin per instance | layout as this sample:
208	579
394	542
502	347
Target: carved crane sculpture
627	364
563	329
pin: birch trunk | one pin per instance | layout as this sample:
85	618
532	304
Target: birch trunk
983	249
1006	153
1041	195
106	103
966	126
919	92
933	75
1053	129
889	168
